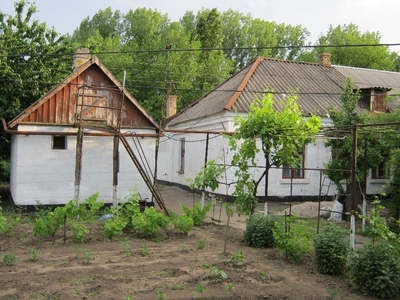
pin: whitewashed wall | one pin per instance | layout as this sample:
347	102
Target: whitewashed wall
40	173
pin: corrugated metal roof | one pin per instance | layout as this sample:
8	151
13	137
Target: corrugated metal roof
318	87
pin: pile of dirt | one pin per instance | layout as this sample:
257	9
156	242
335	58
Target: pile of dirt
306	209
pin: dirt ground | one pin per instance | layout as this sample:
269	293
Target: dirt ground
172	268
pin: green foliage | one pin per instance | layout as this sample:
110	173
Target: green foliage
214	272
197	213
207	177
183	223
113	228
378	228
237	259
33	254
259	231
79	232
331	248
144	250
362	57
90	207
229	288
201	243
50	223
7	225
283	135
342	148
147	224
27	77
161	296
375	269
292	240
9	259
200	289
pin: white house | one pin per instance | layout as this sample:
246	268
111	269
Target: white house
86	135
194	135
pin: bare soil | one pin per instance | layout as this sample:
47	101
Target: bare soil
173	266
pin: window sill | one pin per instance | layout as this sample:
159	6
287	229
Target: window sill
379	180
295	181
180	172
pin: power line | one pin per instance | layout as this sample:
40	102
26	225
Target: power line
27	54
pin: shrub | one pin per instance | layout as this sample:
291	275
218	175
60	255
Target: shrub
331	250
113	228
9	259
197	213
79	232
183	223
147	224
259	232
292	241
376	270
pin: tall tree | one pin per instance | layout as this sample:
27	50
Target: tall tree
371	57
25	75
106	23
341	142
283	135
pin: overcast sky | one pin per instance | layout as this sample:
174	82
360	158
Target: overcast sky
372	15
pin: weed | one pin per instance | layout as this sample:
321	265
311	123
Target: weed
161	296
9	259
265	276
332	293
214	272
183	248
126	248
144	250
201	243
237	259
33	254
200	289
229	288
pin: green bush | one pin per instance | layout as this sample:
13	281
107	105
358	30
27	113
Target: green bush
183	223
79	232
114	227
331	249
9	259
197	214
375	269
146	225
259	231
292	239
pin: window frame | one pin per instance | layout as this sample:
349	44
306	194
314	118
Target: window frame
59	142
295	173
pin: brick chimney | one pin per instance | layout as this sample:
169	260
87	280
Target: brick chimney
171	105
325	59
81	56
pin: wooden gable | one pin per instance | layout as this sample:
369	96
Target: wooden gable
90	95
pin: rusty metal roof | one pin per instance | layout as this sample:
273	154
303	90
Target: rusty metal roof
318	87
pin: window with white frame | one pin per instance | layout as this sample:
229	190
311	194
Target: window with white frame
381	171
296	173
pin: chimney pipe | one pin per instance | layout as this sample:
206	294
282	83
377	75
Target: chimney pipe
171	105
81	56
325	59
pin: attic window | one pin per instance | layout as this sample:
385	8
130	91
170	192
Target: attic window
59	142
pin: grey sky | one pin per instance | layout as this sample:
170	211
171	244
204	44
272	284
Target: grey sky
316	16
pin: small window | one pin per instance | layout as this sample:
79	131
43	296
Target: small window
182	156
59	142
381	171
288	172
